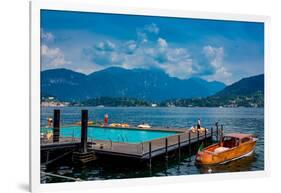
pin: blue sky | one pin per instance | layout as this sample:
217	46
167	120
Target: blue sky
211	49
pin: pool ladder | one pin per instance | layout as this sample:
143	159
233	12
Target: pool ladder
110	142
123	138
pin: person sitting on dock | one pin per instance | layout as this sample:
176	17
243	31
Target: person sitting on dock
199	127
49	135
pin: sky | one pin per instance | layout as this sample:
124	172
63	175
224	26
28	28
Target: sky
217	50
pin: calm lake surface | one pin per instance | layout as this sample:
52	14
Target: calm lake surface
245	120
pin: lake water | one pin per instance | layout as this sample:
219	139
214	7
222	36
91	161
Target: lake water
245	120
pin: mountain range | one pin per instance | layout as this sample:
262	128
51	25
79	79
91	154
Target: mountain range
245	86
150	85
247	92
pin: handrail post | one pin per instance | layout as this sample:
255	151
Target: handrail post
189	144
150	156
217	133
166	148
205	132
198	138
221	135
179	145
211	134
205	141
72	134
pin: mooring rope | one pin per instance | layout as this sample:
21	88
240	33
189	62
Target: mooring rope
57	158
60	176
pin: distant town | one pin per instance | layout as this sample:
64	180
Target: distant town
255	100
53	102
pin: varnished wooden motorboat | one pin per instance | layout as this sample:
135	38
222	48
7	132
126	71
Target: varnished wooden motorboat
232	146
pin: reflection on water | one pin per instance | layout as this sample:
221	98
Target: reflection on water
246	120
243	164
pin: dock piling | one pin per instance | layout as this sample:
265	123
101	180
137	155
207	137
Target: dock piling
84	130
84	156
56	126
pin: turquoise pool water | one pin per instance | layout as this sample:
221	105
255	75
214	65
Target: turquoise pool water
115	135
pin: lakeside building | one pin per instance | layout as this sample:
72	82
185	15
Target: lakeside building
54	104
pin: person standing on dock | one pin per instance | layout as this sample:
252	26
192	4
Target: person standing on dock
106	119
50	122
217	125
198	124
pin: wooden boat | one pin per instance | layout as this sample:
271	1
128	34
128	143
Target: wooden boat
119	125
144	126
232	146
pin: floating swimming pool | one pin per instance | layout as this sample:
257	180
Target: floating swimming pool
114	134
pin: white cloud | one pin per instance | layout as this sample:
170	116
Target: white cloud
142	38
162	43
152	28
105	46
130	46
104	53
50	53
47	36
132	54
179	63
215	55
52	57
147	33
156	52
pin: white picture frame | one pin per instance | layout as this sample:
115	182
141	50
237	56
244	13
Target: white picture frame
36	6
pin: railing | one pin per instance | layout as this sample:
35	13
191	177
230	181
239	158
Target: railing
176	141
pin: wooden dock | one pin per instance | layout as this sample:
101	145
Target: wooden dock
155	147
184	138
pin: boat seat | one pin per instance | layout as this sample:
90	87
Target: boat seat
221	149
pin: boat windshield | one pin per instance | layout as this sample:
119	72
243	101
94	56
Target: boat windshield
230	142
